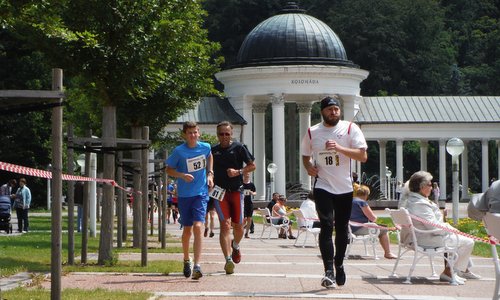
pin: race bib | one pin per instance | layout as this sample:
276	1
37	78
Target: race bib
328	158
217	193
247	192
196	163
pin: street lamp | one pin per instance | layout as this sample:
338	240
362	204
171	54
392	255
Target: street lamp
388	174
272	168
81	162
455	147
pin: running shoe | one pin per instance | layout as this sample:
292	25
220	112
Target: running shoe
212	234
236	255
187	268
197	274
328	280
340	277
229	266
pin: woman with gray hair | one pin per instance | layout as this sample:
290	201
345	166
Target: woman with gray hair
415	200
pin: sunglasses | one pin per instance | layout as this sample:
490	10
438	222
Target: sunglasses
224	134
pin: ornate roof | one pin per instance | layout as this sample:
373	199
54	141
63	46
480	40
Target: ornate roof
292	38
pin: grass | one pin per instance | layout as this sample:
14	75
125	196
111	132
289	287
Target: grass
73	294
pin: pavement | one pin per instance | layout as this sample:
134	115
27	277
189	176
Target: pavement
275	268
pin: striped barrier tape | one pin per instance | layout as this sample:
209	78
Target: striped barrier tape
454	230
367	225
48	175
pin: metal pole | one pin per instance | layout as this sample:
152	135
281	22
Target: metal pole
455	188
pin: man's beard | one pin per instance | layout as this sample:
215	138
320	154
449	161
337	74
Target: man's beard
331	122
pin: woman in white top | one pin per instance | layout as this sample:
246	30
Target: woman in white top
416	201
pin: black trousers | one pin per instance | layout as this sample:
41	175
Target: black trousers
22	219
333	211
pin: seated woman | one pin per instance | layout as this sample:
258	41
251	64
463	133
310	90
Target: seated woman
415	200
362	213
279	211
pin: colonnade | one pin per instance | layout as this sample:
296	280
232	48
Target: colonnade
464	162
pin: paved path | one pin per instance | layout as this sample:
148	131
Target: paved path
274	268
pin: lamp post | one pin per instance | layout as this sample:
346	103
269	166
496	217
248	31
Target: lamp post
388	174
455	147
272	168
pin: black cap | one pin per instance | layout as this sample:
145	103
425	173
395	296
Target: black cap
329	101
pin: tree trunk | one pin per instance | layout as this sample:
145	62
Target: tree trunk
109	136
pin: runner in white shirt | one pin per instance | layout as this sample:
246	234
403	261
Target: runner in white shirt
327	150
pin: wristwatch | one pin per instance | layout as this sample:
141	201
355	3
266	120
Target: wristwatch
241	171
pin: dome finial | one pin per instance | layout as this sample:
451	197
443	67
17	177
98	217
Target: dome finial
292	7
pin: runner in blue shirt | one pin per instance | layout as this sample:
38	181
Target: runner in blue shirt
191	164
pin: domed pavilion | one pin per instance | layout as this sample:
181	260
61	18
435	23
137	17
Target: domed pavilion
295	58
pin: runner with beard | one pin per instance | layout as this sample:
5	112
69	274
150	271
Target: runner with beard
327	150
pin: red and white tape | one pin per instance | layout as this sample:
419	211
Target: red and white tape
367	225
47	174
454	230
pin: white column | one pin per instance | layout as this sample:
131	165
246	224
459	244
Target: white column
259	150
424	145
278	105
304	124
465	171
498	159
399	160
485	177
383	163
442	169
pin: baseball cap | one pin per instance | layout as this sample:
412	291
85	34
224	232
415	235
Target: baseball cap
329	101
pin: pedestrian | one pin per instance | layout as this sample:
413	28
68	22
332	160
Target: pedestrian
191	164
249	191
22	204
327	150
231	160
7	189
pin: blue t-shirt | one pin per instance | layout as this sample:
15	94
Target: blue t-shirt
357	214
193	161
170	189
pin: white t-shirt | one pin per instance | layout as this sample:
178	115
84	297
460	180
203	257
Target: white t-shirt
334	174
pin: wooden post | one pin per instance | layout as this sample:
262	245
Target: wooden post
71	199
119	203
56	247
136	206
144	181
86	206
165	196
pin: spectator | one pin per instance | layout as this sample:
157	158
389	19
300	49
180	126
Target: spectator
362	213
308	208
7	189
273	201
483	202
22	204
279	210
418	204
